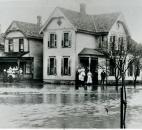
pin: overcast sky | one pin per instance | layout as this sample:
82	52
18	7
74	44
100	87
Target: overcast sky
27	10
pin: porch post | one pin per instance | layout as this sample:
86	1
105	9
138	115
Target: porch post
89	62
106	71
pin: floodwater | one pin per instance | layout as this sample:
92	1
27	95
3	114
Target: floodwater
27	105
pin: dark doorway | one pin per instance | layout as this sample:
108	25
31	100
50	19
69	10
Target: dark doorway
84	61
94	70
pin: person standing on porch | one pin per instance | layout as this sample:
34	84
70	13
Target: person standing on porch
89	78
4	75
103	76
82	76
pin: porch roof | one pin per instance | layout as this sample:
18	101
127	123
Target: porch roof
14	59
91	52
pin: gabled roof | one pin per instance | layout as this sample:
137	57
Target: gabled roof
30	30
91	23
104	22
80	22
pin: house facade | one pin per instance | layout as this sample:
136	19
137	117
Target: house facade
75	38
23	47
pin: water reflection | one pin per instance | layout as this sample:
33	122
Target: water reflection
60	106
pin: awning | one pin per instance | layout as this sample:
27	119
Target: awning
91	52
15	54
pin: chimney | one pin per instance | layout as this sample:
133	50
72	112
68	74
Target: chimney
82	9
39	22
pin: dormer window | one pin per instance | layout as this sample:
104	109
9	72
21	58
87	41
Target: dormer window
52	40
66	40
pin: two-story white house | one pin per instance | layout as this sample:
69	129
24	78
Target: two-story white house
23	47
74	38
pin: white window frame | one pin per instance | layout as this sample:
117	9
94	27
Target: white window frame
69	39
54	68
49	40
68	73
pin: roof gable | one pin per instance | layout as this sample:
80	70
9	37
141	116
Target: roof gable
56	14
13	27
58	21
30	30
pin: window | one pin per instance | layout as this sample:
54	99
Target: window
121	44
51	66
66	39
103	42
28	68
112	67
10	45
21	45
112	43
52	40
130	69
65	66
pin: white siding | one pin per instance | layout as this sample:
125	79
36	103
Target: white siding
85	41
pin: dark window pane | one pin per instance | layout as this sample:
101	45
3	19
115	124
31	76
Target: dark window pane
21	45
65	66
66	39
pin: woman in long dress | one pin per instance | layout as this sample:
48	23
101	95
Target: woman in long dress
89	78
82	76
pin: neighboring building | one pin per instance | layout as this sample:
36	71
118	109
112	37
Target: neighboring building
75	38
23	47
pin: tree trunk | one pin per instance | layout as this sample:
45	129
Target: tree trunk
116	82
135	80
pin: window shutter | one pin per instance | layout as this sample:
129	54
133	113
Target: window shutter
48	40
62	66
48	67
6	46
55	66
119	43
69	66
55	36
63	40
26	45
70	39
105	45
111	39
125	43
16	45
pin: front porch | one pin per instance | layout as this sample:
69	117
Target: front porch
90	60
25	63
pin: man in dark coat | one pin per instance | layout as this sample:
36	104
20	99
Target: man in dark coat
103	76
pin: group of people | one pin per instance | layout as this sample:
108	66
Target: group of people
10	74
85	77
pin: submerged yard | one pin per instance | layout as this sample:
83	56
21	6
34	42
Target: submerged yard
26	105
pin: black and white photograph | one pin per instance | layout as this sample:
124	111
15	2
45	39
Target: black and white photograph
71	64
